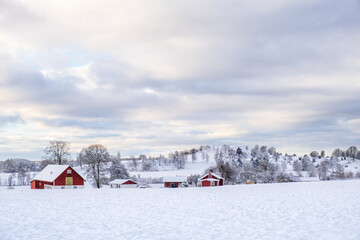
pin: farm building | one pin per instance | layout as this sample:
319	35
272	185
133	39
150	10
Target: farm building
174	182
211	180
57	176
123	183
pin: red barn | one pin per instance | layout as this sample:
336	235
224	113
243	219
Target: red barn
211	180
123	183
174	182
57	176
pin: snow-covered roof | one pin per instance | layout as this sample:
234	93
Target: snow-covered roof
120	181
51	172
212	174
175	179
210	180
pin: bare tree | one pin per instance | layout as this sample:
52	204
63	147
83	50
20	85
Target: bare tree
193	157
57	152
96	157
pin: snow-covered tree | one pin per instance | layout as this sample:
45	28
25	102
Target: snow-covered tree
323	169
96	158
267	171
272	151
351	152
193	179
314	154
297	166
336	153
255	151
118	170
306	162
239	157
145	165
311	169
357	155
322	154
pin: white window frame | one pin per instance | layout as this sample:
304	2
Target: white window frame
69	171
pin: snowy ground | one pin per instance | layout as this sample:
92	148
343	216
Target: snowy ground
313	210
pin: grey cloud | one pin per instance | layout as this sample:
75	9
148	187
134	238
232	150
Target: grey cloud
235	60
10	119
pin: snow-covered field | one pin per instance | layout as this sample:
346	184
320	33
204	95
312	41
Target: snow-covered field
313	210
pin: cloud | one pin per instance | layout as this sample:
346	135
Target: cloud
137	75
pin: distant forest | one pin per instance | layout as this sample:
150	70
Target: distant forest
259	164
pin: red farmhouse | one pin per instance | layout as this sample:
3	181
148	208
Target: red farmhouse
174	182
57	176
211	180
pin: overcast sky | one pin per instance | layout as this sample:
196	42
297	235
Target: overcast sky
158	76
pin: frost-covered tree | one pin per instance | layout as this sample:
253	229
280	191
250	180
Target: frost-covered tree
357	155
118	170
247	172
145	165
96	158
322	154
10	181
226	170
339	170
267	171
14	165
314	154
263	149
336	153
311	169
351	152
297	166
239	157
255	151
193	179
178	159
323	169
306	162
272	151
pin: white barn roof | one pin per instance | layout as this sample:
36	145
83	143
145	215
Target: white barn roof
120	181
210	180
50	172
212	174
175	179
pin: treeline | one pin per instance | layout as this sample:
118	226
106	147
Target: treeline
17	165
260	164
176	159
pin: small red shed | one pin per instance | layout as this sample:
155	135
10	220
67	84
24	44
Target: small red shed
123	183
211	180
57	176
174	182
